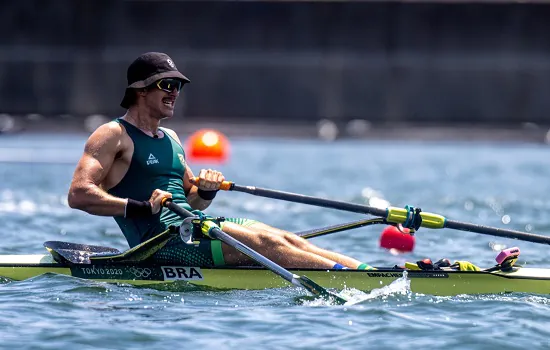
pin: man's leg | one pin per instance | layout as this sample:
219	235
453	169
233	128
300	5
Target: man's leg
273	246
305	245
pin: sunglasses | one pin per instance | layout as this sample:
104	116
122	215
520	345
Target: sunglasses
169	85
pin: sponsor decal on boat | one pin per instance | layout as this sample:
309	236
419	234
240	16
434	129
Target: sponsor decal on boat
385	274
419	274
181	273
100	271
115	273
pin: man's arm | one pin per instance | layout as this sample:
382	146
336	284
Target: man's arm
193	198
191	191
94	165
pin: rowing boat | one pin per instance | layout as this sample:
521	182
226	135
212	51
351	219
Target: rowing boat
133	267
441	282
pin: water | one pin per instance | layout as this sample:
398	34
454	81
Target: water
503	185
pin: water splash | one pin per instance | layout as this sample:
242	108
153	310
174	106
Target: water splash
401	286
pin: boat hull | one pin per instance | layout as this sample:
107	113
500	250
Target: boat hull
520	280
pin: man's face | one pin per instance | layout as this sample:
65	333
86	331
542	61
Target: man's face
161	103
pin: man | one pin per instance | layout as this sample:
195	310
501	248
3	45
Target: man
130	164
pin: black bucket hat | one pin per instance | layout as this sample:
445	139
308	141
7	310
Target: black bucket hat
147	69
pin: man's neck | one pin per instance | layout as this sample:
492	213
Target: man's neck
142	121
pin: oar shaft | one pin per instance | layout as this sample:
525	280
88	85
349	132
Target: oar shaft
227	239
279	270
499	232
316	201
391	214
300	281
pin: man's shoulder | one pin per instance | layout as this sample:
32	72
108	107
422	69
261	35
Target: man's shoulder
171	133
111	133
109	129
168	131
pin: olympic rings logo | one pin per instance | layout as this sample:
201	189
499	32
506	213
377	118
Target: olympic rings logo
140	272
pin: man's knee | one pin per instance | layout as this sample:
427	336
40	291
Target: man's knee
273	241
296	241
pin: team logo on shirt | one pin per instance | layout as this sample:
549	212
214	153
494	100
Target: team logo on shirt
182	159
152	159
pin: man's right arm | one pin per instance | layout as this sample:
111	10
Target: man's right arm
85	192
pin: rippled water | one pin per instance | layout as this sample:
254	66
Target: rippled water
503	185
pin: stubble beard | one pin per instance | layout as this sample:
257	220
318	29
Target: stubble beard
160	111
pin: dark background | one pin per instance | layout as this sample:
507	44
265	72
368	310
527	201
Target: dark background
285	62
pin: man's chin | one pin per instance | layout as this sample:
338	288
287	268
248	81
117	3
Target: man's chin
167	114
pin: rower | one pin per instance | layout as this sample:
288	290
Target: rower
131	165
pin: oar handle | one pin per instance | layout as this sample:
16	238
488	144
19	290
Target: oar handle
164	202
184	213
225	186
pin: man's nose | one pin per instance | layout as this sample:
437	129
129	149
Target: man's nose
174	92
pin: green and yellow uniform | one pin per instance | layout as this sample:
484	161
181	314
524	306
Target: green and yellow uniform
159	163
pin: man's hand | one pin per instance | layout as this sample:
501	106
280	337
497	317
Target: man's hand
156	199
208	180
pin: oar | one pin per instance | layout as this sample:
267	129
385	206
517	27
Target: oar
391	214
215	232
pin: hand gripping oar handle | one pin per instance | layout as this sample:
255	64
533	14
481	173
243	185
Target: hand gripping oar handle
215	232
391	214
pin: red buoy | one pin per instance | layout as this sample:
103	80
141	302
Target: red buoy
392	238
207	145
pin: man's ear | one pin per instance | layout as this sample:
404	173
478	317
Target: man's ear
142	92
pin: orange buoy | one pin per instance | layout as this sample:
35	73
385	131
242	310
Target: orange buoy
395	240
207	145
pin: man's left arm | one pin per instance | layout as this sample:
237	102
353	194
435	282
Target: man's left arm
192	192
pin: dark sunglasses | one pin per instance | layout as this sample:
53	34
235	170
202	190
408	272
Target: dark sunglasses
169	85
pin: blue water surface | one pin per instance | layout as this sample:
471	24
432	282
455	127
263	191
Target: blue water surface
498	184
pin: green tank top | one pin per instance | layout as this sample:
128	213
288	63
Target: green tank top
156	163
